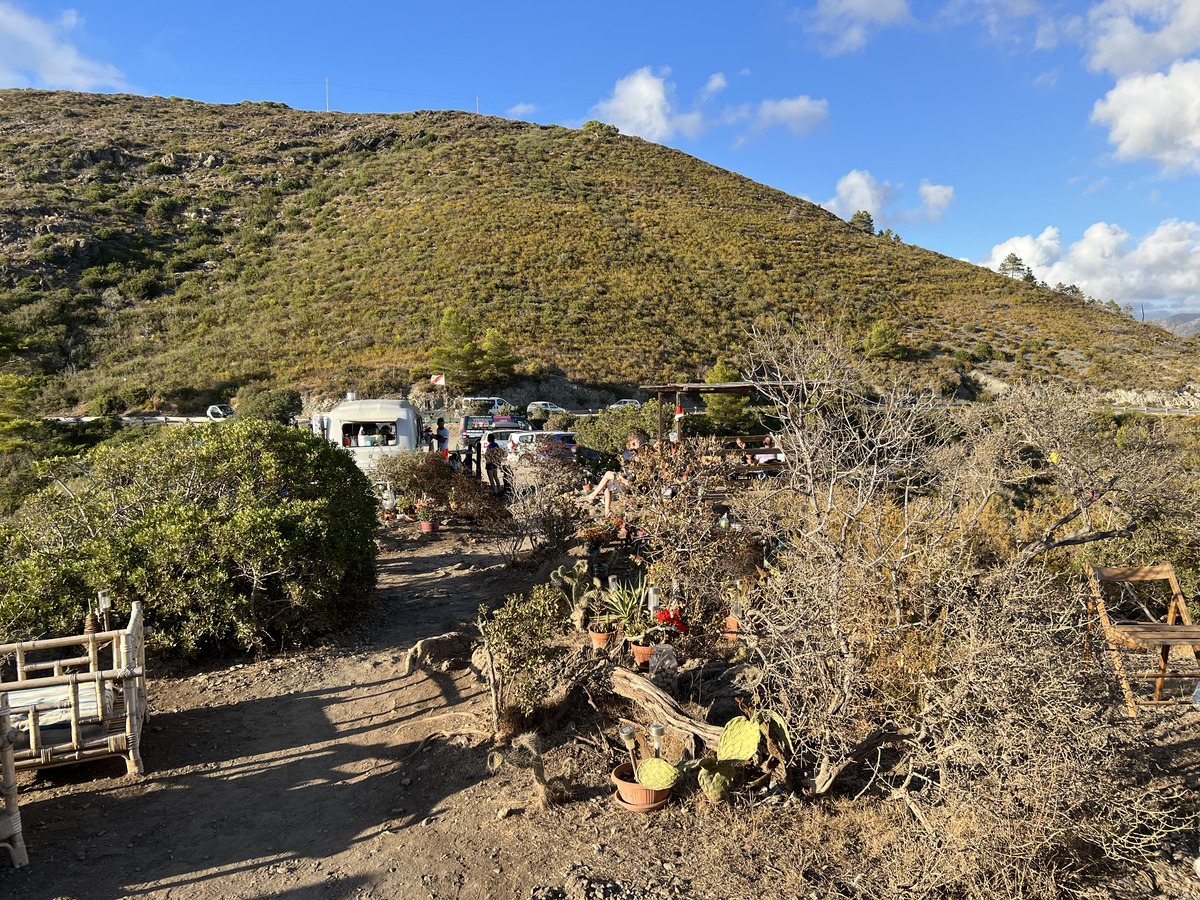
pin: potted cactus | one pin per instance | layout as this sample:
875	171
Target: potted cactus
644	786
738	742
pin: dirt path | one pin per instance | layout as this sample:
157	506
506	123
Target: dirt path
309	776
296	776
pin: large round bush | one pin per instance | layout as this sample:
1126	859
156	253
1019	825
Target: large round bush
247	535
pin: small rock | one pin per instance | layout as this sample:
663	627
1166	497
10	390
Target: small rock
504	812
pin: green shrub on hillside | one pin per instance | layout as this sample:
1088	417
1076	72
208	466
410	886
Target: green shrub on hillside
603	258
271	406
249	535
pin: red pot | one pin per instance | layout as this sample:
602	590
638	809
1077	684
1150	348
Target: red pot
732	625
600	638
430	527
634	796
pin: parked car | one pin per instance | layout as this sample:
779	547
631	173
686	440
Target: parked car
471	428
520	443
500	434
531	444
495	405
627	403
543	406
219	411
557	442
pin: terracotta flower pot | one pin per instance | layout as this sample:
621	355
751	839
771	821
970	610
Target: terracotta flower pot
642	653
430	527
732	625
599	638
632	795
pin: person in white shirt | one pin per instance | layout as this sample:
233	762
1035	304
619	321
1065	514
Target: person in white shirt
768	454
443	438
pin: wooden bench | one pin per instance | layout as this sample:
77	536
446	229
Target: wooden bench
1147	634
74	709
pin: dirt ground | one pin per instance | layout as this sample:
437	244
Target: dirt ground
329	774
309	776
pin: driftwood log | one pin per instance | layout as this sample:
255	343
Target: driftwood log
661	706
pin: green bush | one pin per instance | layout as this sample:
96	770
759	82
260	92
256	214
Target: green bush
414	475
142	286
249	535
271	406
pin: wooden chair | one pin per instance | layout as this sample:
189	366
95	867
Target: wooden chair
1145	633
69	710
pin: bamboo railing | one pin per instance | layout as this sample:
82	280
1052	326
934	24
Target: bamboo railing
105	702
11	838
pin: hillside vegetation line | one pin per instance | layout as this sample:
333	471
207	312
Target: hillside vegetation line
166	253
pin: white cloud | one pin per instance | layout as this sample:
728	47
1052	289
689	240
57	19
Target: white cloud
1047	80
1155	116
716	83
521	111
1131	36
33	53
1039	252
851	23
643	103
859	189
1006	20
935	200
800	115
1161	270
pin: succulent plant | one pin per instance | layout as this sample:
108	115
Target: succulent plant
657	774
738	742
579	588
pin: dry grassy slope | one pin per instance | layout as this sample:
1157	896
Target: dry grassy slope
188	248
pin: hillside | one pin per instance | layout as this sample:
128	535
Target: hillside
1182	324
167	252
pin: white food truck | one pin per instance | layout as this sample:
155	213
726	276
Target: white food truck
369	429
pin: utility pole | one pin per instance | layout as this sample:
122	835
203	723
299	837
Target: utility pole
476	104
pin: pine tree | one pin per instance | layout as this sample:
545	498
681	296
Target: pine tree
728	411
1013	266
863	222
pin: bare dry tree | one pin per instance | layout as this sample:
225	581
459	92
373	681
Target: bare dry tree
913	661
540	511
1106	483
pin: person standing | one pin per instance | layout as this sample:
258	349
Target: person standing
443	438
492	463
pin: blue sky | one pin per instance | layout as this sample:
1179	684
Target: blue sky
1067	132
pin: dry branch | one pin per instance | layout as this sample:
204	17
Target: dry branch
662	706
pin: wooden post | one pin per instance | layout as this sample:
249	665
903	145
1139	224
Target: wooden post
11	837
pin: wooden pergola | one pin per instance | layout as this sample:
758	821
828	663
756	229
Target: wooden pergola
695	388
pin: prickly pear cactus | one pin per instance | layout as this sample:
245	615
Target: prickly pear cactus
716	778
739	739
657	774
